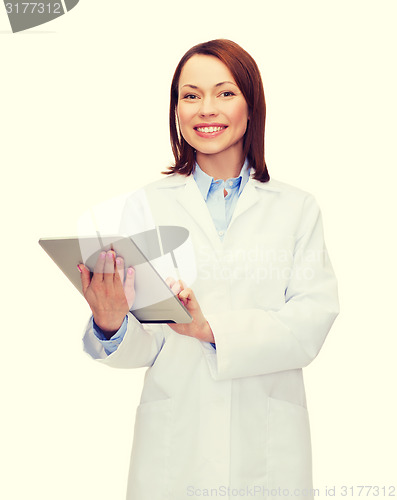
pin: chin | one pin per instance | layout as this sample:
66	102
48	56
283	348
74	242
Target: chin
208	149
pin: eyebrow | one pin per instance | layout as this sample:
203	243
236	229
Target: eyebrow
217	85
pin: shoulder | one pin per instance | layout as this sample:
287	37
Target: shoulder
291	201
153	188
285	190
167	181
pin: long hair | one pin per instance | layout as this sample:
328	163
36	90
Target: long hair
248	78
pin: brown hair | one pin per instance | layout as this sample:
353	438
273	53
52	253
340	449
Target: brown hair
247	76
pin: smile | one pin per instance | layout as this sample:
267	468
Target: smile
209	130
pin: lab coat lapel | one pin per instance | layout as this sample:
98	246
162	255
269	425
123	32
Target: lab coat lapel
193	202
247	199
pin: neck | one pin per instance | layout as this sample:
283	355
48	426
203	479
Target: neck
224	165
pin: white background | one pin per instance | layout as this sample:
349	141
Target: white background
84	117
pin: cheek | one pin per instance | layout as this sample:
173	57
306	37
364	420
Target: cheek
243	112
240	117
184	116
184	119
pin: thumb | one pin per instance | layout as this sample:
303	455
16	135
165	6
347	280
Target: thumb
182	284
185	295
85	277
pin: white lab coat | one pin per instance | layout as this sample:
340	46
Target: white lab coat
231	422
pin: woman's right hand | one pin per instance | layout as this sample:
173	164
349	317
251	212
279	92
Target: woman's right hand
110	292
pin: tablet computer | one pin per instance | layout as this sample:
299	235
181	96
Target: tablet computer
154	301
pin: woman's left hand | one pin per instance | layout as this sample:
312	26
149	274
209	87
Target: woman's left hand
199	327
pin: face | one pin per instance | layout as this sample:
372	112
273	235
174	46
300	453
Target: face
212	111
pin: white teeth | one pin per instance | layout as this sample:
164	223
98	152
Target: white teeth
208	130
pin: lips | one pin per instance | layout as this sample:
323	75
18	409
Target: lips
209	129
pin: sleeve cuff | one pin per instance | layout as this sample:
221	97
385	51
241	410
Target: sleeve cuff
112	344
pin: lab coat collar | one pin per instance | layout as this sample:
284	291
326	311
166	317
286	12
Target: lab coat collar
191	200
204	181
175	180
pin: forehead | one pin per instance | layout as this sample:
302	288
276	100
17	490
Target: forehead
204	71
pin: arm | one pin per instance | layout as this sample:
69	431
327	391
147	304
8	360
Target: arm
110	345
139	347
256	341
110	296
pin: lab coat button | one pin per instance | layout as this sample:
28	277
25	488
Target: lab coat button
221	233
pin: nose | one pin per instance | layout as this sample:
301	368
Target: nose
208	107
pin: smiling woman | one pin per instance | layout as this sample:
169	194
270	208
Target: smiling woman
223	408
224	82
212	116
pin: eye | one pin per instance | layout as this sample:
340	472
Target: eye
189	97
227	93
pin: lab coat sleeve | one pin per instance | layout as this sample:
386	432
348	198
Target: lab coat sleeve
256	341
111	344
141	343
139	348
